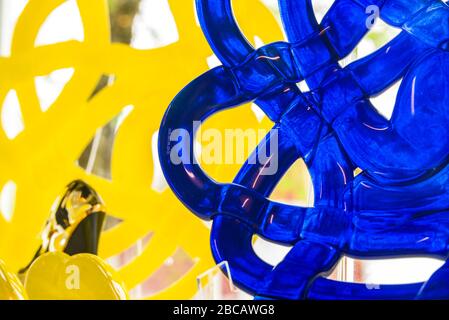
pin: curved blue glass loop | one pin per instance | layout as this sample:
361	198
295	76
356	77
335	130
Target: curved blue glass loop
398	205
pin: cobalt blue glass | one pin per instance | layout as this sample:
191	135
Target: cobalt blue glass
397	206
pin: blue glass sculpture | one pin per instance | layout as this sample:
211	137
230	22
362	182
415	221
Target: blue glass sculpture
398	205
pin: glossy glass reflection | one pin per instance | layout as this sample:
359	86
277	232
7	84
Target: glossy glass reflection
74	225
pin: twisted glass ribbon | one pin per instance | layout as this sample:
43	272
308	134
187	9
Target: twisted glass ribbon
398	205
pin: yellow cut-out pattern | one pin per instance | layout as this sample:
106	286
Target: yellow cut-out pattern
42	158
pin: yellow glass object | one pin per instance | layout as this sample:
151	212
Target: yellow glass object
58	276
42	158
10	286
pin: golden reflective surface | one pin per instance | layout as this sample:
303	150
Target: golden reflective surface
75	222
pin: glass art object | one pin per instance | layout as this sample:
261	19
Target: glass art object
397	206
10	286
75	223
84	276
42	158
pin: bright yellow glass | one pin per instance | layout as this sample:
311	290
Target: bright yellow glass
57	276
10	286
